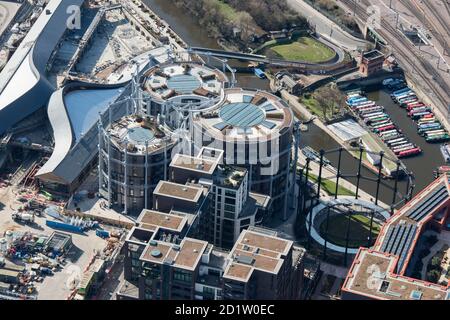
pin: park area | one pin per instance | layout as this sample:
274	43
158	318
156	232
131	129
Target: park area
358	226
329	186
302	49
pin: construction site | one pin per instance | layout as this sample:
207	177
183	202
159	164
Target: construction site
25	148
33	222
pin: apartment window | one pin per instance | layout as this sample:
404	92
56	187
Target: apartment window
245	222
229	215
230	208
148	296
208	292
183	276
230	193
135	263
148	282
230	201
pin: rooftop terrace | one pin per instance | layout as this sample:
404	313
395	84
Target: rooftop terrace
373	275
169	80
246	113
194	163
139	135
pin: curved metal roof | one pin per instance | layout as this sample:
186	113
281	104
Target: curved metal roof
23	84
73	151
83	107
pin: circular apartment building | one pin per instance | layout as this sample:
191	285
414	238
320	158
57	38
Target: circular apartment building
176	88
135	153
254	128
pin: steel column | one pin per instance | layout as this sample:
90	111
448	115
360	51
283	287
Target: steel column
146	176
361	150
379	177
338	173
125	179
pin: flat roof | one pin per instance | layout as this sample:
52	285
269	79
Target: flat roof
180	191
141	132
160	219
190	253
129	289
157	251
238	271
256	250
382	283
194	163
262	200
271	243
373	54
186	255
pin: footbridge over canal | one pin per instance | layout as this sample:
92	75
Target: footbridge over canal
336	63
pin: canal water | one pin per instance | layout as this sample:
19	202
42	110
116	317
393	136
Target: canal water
422	166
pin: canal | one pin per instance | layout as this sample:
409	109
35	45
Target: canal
422	166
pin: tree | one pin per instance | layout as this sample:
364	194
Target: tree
433	275
330	99
436	262
244	21
269	14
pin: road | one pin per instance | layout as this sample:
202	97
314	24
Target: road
112	282
327	28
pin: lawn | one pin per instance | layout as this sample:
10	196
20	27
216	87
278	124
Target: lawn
312	105
315	108
303	49
226	10
359	230
329	186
